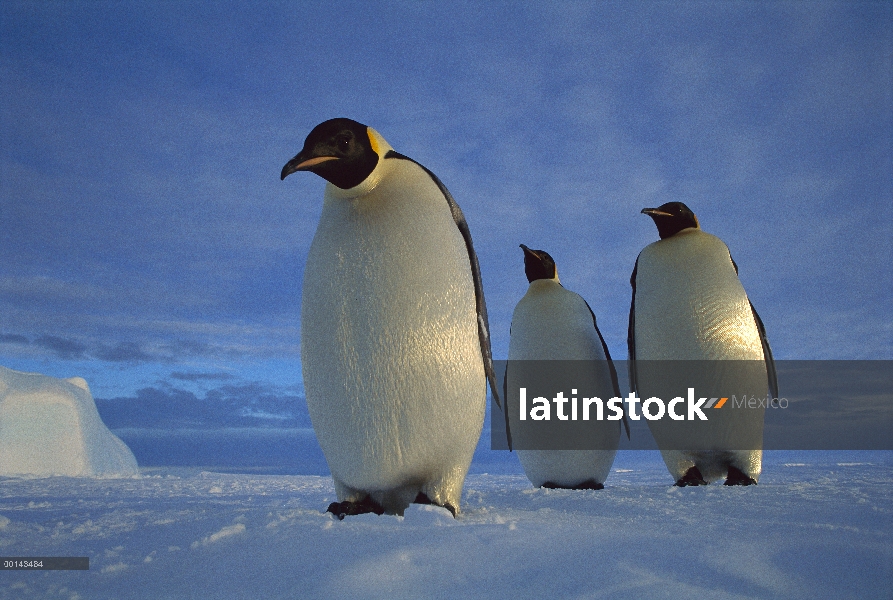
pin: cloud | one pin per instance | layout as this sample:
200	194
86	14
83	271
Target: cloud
10	338
169	342
123	352
182	376
231	406
67	349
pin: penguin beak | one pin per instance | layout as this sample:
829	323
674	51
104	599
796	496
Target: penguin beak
299	163
654	212
531	255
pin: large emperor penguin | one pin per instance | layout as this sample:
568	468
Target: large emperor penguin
551	323
395	343
689	308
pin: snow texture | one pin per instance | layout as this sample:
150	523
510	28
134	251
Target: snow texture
50	426
818	525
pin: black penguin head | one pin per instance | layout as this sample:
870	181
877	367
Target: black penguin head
671	218
338	150
538	265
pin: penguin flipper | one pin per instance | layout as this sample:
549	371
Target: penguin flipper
614	383
631	333
483	323
505	394
767	351
767	354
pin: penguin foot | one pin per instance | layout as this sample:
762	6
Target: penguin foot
366	505
422	498
589	484
692	477
737	477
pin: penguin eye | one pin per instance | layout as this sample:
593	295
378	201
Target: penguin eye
343	142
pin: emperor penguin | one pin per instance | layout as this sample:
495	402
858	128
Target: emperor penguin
691	325
395	343
552	323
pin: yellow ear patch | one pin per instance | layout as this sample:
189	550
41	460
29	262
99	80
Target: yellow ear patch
372	141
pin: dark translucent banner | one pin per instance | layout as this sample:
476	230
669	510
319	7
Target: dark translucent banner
696	405
44	563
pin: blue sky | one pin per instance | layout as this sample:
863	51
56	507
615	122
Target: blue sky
148	245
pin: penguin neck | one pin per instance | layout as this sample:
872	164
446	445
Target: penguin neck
682	233
381	147
538	286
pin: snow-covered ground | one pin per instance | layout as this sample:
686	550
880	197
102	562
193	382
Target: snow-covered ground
819	525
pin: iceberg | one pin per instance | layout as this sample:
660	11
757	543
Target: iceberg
50	426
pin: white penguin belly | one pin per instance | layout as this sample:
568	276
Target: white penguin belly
691	306
552	323
392	365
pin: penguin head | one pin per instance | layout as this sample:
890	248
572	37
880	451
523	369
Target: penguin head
341	151
538	265
671	218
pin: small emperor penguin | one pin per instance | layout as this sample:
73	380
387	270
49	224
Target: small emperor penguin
691	325
395	345
551	323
